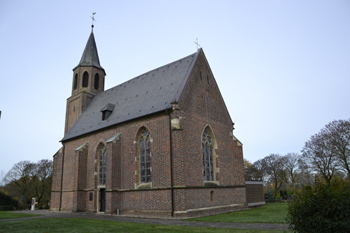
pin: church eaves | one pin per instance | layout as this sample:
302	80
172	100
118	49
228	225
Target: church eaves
146	94
90	55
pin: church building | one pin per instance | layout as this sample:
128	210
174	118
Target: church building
160	144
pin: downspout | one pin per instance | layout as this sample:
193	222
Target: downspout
171	166
61	179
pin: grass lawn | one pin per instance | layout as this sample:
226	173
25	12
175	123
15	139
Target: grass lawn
269	213
7	215
92	225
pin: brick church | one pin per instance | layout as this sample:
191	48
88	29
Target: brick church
160	144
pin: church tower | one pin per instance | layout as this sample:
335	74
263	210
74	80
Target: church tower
88	80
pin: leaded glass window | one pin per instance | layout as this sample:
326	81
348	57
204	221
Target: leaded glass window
145	157
102	166
208	163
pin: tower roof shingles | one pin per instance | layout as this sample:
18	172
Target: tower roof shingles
90	55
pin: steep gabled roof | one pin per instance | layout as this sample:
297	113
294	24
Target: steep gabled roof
90	55
146	94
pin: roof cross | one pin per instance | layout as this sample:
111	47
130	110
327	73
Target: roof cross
196	42
93	19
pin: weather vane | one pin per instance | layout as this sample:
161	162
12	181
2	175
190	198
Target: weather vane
93	19
196	42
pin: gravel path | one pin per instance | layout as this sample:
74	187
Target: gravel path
48	214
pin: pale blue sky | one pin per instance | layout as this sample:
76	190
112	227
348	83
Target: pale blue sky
282	66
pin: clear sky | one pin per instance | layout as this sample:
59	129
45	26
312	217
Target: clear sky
282	66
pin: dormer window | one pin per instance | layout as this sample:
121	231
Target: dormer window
107	111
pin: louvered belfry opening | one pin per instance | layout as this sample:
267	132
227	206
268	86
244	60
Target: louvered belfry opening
75	86
85	79
97	81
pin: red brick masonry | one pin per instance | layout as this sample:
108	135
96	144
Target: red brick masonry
255	192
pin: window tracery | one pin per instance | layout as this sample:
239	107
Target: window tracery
145	157
208	162
102	166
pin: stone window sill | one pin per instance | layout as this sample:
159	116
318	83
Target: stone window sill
211	183
144	186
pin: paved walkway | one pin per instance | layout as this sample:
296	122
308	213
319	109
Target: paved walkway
48	214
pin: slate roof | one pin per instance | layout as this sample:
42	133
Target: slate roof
146	94
90	55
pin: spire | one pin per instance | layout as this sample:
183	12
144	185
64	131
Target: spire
90	55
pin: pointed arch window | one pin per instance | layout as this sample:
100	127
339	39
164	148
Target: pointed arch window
96	81
85	79
75	86
207	149
102	166
145	157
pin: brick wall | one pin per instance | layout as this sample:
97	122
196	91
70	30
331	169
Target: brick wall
255	193
56	180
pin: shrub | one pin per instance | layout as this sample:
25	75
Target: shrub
324	209
268	196
7	207
23	206
283	194
47	204
6	200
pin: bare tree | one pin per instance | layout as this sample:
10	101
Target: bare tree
253	171
247	169
291	168
319	153
306	175
20	176
273	165
2	178
259	170
42	176
338	134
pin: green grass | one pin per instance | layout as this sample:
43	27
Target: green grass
92	225
7	215
269	213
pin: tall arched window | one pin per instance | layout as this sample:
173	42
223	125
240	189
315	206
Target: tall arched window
96	81
102	166
85	79
207	148
145	157
75	81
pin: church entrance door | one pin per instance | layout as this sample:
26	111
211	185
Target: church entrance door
102	200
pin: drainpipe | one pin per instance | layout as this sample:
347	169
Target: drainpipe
171	166
61	179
